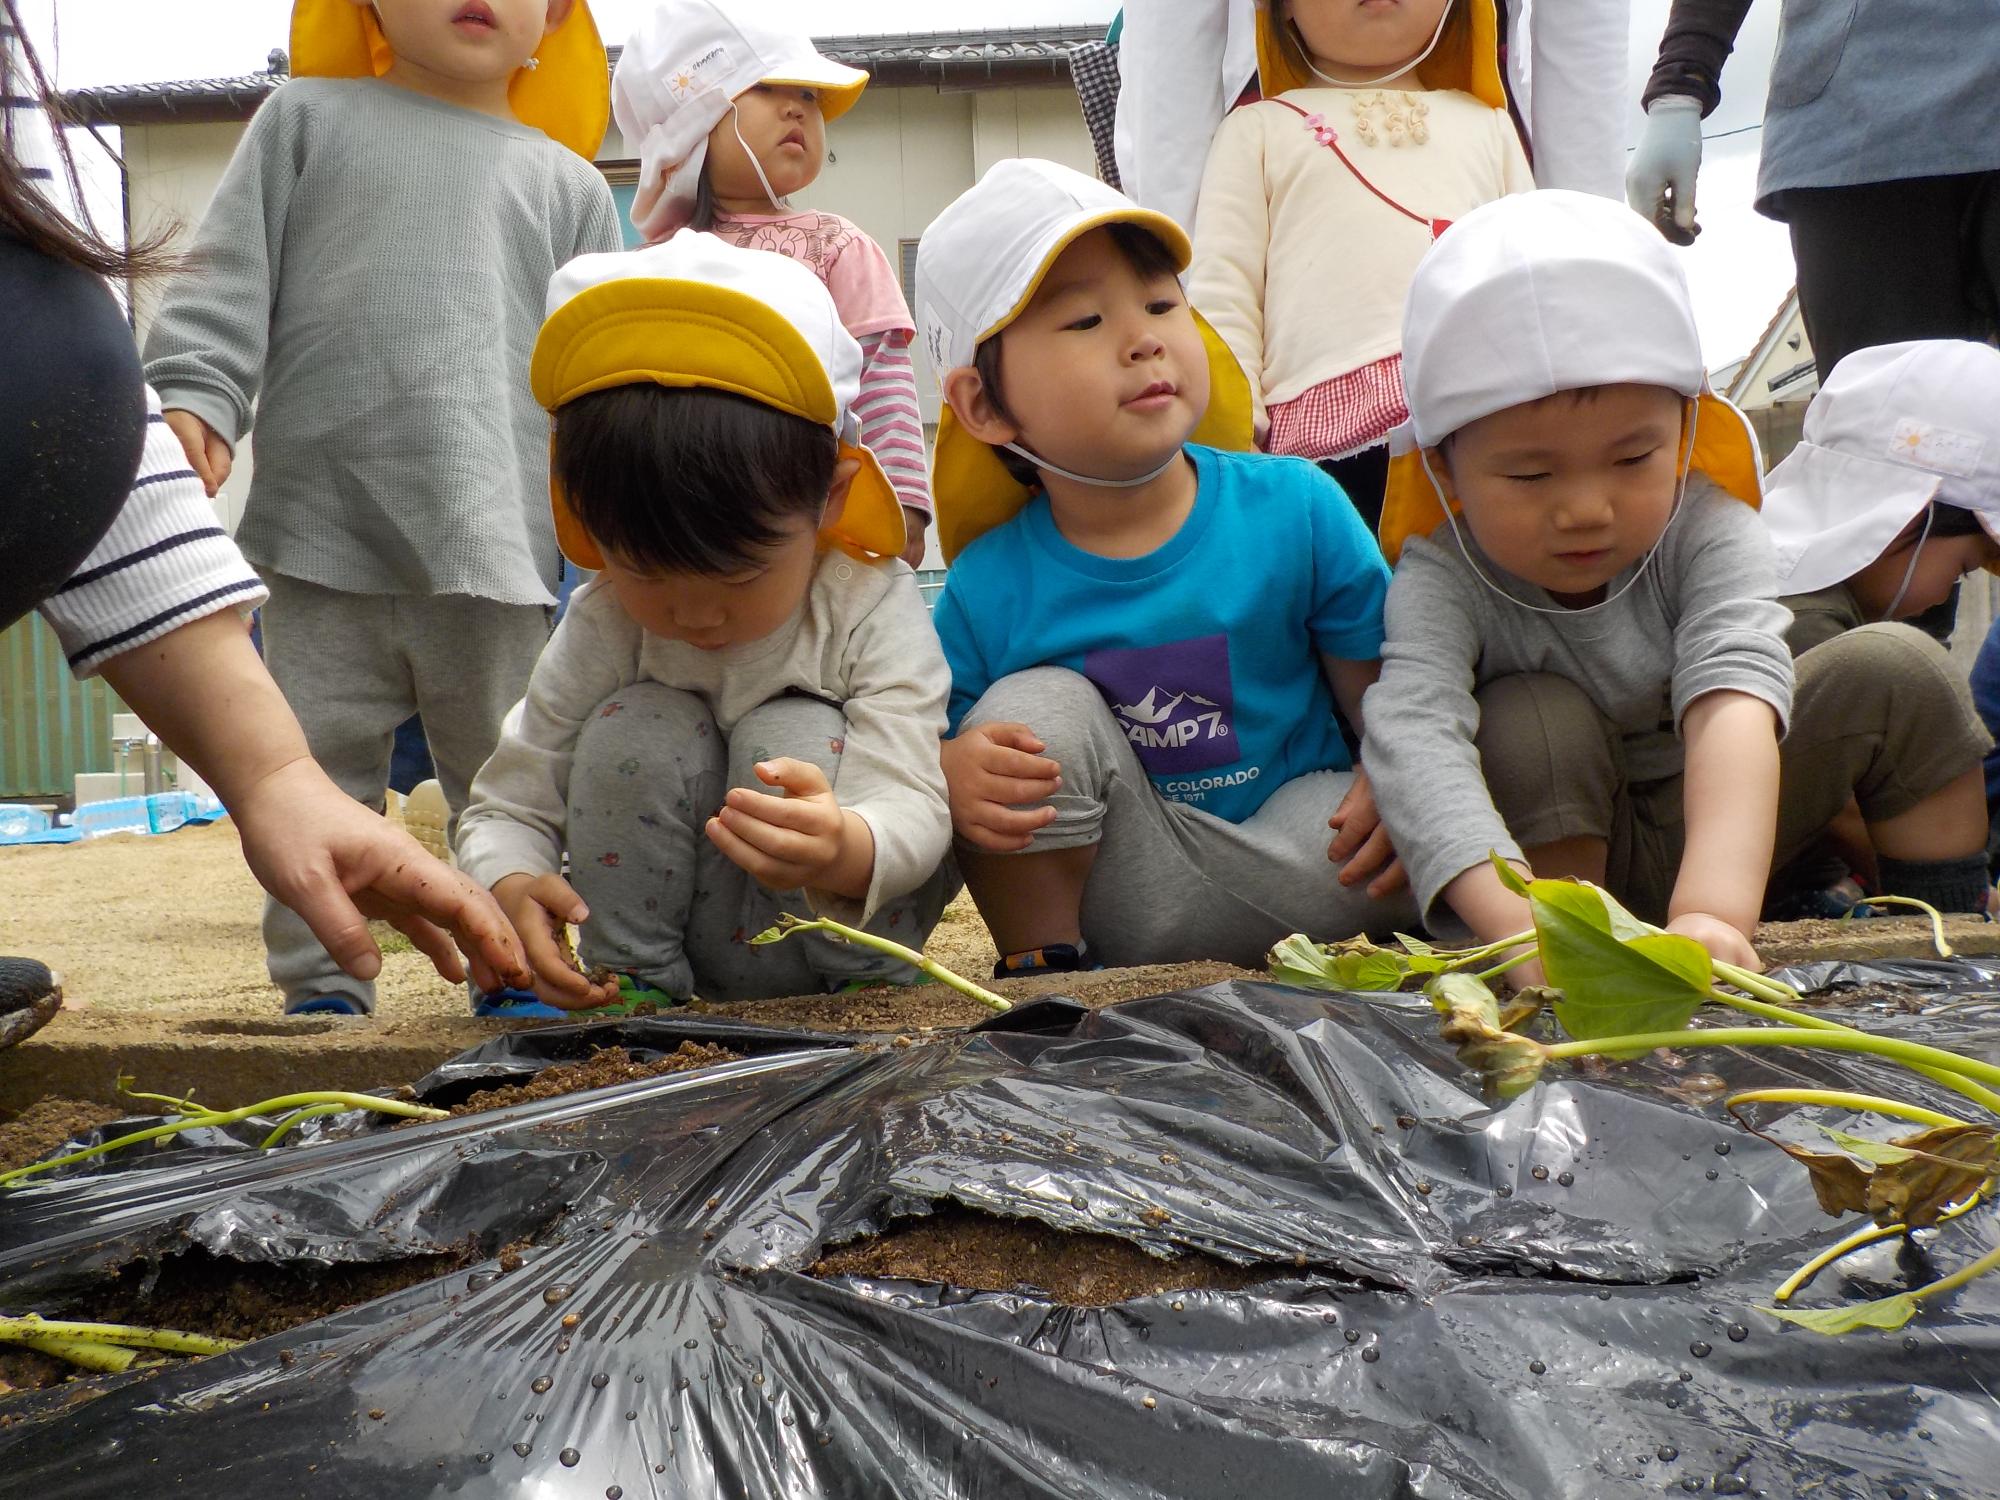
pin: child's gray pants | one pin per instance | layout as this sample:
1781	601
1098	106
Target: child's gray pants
1172	883
353	667
666	905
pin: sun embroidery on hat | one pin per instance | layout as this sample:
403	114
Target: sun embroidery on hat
1942	450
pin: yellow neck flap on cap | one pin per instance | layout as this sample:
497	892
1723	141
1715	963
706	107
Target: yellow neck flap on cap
566	96
975	493
1725	449
1466	58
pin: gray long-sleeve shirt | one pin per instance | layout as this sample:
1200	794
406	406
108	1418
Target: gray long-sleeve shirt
1704	617
371	273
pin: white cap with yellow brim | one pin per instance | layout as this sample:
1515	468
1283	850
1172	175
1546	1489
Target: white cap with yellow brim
978	265
1538	293
684	63
1894	428
697	311
565	95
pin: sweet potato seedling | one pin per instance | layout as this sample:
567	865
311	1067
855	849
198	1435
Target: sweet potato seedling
1621	988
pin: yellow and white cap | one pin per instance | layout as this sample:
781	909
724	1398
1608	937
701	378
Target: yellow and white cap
1893	429
978	266
1538	293
565	95
697	311
680	69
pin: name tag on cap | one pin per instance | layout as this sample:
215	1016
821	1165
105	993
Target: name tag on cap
1942	450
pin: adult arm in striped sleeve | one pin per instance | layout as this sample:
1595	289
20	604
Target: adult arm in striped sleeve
156	608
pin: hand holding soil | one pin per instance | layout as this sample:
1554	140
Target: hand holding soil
541	909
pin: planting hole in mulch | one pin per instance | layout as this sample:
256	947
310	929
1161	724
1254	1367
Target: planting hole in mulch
985	1253
604	1067
47	1124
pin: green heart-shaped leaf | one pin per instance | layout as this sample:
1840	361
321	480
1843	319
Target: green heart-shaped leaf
1612	987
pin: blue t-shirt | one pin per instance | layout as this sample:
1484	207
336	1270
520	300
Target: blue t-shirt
1207	650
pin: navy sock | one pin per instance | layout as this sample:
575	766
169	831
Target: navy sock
1948	884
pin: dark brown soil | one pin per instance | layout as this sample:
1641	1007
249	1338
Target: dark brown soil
25	1370
46	1124
604	1067
1902	997
980	1252
201	1293
927	1007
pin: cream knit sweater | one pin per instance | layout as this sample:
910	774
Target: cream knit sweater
1300	268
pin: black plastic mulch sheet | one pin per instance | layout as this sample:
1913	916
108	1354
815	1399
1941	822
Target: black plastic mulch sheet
1553	1297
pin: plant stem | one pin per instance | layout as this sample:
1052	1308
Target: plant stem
1937	918
1836	1099
1910	1054
230	1117
169	1340
104	1358
789	926
1785	1016
1753	984
297	1118
1863	1237
1465	958
1487	976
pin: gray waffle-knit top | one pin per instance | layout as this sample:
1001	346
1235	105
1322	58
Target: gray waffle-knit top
1703	617
371	275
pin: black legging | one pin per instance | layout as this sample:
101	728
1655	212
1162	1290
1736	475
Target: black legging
72	422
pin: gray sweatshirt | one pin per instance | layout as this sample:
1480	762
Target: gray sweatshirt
861	639
371	273
1704	617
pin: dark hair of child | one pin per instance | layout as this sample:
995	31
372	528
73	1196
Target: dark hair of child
688	481
1948	520
1145	255
702	217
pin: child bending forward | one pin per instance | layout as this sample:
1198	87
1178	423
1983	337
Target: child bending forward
739	716
1147	637
1585	667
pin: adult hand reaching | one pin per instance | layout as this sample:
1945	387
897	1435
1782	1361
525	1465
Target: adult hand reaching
337	864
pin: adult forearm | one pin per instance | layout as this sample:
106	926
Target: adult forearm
1730	796
1699	37
204	691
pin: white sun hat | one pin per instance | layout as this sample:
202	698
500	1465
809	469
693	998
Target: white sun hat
978	266
1538	293
698	312
675	80
1893	429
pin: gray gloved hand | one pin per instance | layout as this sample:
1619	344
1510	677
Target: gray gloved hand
1660	181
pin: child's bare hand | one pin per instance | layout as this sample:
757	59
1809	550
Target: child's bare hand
785	842
1361	844
991	773
1720	938
207	454
915	522
540	906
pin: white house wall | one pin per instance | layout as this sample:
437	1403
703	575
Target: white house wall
899	156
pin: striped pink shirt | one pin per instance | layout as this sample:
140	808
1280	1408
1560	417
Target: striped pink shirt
871	304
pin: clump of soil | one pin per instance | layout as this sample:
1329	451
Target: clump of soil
604	1067
925	1007
982	1252
1887	995
46	1124
25	1370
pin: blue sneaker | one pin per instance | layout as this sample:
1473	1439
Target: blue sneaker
325	1005
515	1005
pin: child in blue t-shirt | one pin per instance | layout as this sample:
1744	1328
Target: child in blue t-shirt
1148	639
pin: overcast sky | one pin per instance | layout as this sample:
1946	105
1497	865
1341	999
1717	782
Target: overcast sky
1739	270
